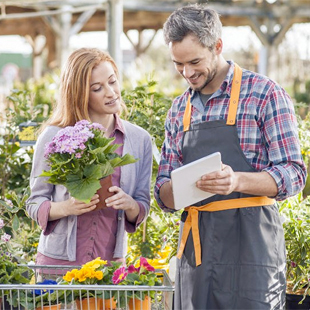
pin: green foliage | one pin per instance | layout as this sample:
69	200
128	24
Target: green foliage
43	93
11	272
24	233
15	167
148	108
296	211
304	136
302	95
160	230
15	161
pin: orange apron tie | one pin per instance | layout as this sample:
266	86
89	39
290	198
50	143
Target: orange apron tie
192	218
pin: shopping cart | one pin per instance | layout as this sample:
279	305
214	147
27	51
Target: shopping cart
86	297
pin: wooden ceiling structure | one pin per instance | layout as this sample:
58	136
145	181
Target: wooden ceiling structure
57	20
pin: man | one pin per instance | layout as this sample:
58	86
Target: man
234	258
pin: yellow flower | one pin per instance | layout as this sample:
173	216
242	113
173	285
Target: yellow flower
98	275
82	275
96	263
88	273
70	275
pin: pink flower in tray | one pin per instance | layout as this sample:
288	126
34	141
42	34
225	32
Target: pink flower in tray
133	269
119	275
144	263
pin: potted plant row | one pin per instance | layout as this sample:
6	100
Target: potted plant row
95	272
295	212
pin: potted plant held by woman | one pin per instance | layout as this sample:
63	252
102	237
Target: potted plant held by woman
82	159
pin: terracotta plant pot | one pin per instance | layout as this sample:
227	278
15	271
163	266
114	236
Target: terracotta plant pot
51	307
110	304
91	303
103	192
137	304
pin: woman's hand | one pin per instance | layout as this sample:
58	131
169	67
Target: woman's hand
123	201
72	206
120	200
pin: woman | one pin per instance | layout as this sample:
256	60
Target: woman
72	232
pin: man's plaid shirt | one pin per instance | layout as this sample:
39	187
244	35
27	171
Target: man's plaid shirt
266	126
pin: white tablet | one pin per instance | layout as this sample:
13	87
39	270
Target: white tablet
185	192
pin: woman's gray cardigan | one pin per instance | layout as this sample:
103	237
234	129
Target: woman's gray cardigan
135	180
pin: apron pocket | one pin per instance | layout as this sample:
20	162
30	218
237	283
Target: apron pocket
249	286
263	285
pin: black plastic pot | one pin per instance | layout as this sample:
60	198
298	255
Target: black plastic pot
292	302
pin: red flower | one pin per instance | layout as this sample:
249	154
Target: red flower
133	269
144	263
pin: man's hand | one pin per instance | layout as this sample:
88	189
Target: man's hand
227	181
221	182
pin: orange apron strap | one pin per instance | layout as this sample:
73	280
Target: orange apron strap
233	103
192	218
187	115
234	96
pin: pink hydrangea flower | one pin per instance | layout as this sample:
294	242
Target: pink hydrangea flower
1	223
71	139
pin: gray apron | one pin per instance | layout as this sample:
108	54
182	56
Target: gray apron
242	250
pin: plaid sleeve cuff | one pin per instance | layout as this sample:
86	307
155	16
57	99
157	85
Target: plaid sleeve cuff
160	182
289	179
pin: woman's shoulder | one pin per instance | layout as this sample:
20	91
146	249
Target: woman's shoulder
131	128
48	133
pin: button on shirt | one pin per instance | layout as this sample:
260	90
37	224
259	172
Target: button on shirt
266	126
96	230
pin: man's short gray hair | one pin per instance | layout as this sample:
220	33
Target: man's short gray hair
194	19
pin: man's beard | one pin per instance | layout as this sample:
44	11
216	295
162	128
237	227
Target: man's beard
207	81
